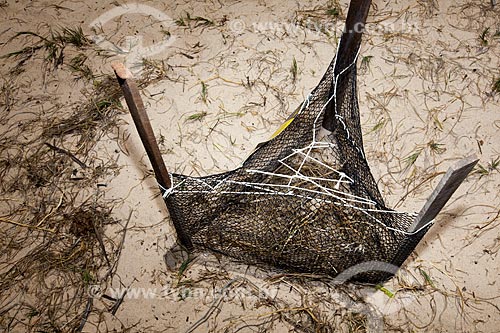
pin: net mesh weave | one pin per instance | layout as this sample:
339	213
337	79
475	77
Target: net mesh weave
304	201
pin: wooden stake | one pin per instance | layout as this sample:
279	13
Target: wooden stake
442	193
347	51
142	123
141	120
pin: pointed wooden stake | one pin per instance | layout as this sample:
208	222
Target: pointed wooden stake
442	193
142	123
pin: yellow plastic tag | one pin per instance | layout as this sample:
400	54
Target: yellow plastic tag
282	128
286	123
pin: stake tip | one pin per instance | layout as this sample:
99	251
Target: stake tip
121	71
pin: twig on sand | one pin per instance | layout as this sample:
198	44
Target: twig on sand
86	314
65	152
214	306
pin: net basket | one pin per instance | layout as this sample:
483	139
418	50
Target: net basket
305	200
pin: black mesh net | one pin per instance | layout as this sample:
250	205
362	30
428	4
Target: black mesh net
304	201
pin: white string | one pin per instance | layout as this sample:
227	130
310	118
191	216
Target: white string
304	106
334	95
326	190
301	177
168	191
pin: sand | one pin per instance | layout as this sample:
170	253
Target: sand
425	88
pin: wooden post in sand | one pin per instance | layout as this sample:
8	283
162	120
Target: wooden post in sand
142	123
442	193
347	51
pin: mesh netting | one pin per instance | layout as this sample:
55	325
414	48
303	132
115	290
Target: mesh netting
304	200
